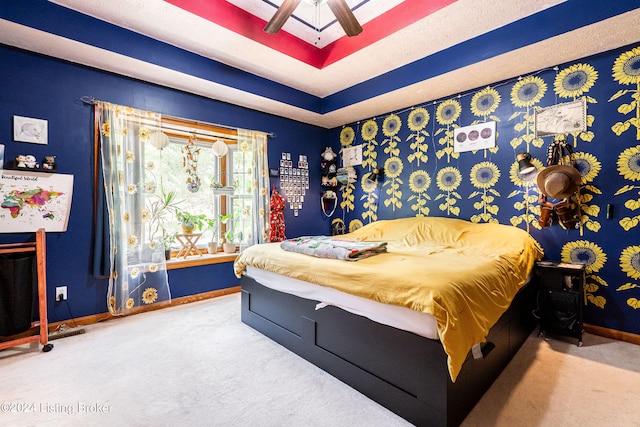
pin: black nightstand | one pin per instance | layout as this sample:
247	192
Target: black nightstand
562	298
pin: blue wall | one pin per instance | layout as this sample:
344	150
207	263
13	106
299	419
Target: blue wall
45	88
607	156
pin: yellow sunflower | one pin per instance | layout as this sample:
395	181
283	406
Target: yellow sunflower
418	119
485	102
130	156
135	272
448	112
587	164
484	175
448	179
132	189
528	180
626	68
152	244
144	133
391	125
528	91
584	252
133	241
346	136
112	304
149	295
106	128
630	261
368	185
393	167
354	225
126	217
629	163
574	81
130	303
419	181
369	130
153	267
145	215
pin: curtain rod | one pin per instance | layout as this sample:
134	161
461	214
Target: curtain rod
92	101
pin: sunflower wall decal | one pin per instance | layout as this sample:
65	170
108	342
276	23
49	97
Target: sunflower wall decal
419	183
589	168
529	192
446	114
392	169
483	104
626	71
630	264
448	180
629	168
347	135
370	198
417	121
484	176
594	258
369	153
573	82
390	128
526	93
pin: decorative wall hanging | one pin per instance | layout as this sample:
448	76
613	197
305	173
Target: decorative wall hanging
190	153
294	180
561	118
27	129
31	200
474	137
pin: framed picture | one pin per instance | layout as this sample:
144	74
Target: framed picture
27	129
561	118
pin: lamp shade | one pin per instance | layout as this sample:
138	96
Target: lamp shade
219	148
159	140
524	163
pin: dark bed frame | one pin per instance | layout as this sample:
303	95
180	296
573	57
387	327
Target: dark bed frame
403	372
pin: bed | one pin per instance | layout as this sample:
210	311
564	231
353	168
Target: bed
423	328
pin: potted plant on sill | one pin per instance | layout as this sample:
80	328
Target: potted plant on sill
231	238
190	222
162	208
212	224
167	241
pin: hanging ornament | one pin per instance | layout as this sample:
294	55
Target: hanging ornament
220	149
159	140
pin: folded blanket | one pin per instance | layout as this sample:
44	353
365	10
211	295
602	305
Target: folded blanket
326	247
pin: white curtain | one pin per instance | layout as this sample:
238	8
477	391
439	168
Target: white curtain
138	273
255	144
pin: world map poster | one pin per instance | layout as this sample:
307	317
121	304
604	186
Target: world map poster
32	200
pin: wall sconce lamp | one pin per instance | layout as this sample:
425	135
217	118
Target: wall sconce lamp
377	174
524	163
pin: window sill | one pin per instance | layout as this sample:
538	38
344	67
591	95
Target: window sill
203	259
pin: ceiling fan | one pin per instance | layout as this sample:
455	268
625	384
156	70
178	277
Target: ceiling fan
339	8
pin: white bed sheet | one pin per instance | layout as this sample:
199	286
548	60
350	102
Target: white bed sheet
391	315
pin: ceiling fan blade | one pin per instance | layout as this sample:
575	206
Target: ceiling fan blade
280	17
345	17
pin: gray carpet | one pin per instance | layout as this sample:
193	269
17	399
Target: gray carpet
198	365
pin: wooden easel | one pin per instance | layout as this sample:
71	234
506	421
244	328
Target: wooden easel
39	247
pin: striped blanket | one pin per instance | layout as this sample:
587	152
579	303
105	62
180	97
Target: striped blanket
327	247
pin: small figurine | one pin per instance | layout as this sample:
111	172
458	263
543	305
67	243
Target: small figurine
21	160
30	161
49	163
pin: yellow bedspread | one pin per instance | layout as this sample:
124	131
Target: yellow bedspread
462	273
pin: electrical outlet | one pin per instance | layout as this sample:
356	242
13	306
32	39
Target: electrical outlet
61	293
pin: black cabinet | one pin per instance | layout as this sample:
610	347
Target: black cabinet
562	298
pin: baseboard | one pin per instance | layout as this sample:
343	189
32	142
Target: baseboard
101	317
613	334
